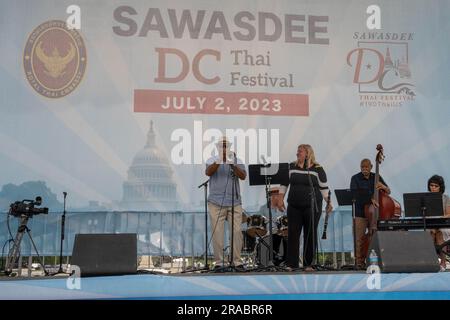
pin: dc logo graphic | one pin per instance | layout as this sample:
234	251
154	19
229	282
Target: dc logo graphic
381	67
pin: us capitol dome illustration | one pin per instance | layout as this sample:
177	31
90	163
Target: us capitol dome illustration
150	186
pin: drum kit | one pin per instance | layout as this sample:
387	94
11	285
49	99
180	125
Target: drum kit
256	236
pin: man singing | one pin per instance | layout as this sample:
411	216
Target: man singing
224	192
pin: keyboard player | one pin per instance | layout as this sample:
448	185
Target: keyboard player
437	184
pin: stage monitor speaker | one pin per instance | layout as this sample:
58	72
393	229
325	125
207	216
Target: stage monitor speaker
405	251
105	254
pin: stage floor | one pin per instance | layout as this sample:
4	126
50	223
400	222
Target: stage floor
249	286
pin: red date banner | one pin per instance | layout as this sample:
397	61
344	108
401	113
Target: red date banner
232	103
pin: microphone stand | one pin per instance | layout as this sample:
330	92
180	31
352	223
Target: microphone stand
314	209
206	268
63	222
205	184
233	190
270	263
355	265
423	208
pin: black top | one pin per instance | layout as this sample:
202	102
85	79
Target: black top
363	190
299	192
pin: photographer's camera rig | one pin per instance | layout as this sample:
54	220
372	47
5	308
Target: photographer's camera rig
26	208
23	210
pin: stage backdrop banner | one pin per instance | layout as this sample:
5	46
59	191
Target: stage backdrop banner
123	112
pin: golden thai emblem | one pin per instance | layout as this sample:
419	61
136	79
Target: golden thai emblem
54	59
55	64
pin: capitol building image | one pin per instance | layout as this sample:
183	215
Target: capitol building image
150	185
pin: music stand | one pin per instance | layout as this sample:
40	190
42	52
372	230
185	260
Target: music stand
267	174
347	197
258	178
423	204
344	197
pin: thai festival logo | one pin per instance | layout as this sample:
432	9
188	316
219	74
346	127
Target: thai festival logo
54	59
381	69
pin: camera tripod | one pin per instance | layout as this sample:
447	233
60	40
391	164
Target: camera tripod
14	253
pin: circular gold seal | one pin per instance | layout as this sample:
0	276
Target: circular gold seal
54	59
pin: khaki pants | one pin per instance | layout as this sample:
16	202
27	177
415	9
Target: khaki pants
361	239
218	216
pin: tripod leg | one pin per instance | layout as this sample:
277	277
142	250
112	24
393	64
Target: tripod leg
37	252
30	262
14	252
19	266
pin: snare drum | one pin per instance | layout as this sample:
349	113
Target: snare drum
256	226
282	226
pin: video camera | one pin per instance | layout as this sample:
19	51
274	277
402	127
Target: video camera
26	208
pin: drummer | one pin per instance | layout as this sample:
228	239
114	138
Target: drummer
276	214
264	213
279	230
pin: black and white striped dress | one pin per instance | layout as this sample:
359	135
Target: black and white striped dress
299	192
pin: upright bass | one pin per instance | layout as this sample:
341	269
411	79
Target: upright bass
387	208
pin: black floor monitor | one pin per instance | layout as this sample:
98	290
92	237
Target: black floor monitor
105	254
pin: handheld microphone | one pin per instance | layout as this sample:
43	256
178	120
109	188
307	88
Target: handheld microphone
305	165
65	194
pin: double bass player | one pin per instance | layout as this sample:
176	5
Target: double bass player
362	186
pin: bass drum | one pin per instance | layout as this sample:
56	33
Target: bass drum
279	250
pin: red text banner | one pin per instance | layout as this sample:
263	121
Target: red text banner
232	103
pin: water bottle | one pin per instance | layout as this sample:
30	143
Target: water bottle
373	261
